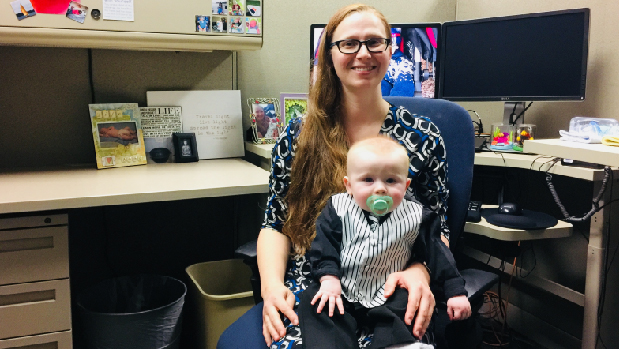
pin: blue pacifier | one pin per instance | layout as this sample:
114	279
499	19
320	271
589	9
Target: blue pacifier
379	205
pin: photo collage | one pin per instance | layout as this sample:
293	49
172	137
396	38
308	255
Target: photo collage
233	17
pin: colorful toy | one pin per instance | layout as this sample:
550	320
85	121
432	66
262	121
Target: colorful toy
502	138
524	132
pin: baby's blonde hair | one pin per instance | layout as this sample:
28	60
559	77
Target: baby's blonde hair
379	145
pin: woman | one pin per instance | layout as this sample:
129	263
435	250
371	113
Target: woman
345	106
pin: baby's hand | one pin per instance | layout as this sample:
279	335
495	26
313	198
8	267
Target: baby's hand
329	292
459	308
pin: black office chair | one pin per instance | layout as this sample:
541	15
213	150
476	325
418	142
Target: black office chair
457	131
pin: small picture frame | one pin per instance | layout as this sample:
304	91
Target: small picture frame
202	24
252	25
219	7
219	24
253	8
236	25
185	149
265	120
293	105
235	8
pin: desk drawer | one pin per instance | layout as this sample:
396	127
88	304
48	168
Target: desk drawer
33	221
38	254
58	340
35	308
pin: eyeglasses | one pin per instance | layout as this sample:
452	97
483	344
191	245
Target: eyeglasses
350	46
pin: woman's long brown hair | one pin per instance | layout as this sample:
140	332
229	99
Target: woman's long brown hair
321	155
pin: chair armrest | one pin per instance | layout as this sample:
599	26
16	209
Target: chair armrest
477	282
246	252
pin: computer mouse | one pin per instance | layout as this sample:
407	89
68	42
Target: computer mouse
510	208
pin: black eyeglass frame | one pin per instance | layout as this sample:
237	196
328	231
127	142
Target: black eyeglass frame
388	43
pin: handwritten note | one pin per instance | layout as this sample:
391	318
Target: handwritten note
216	126
118	10
214	116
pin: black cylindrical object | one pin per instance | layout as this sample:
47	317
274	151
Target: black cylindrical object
133	312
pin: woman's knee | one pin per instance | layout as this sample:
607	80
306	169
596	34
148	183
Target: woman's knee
246	332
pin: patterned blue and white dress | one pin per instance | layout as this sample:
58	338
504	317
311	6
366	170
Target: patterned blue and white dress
427	169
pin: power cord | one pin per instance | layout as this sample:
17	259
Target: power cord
513	122
90	75
595	208
492	330
595	202
478	123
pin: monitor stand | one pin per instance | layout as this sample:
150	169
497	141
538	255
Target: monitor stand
508	113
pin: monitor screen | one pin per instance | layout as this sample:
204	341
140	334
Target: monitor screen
415	59
531	57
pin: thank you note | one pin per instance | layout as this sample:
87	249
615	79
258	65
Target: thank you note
118	10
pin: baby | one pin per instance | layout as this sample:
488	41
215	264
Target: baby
126	134
372	231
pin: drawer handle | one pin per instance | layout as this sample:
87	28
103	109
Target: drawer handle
26	244
27	297
51	345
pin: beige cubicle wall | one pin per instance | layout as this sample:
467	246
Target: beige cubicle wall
287	36
45	94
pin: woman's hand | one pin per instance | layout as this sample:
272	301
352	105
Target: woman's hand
421	300
277	300
272	254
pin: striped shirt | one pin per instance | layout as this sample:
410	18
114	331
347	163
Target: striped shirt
369	248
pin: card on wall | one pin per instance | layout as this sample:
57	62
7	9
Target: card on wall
214	116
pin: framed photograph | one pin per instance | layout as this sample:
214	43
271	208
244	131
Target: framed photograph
117	134
235	7
253	8
202	24
219	24
236	25
293	105
219	7
265	119
185	149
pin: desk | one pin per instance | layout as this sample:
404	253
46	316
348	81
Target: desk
597	242
25	191
593	153
561	230
75	187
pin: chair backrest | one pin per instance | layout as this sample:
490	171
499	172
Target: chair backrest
457	131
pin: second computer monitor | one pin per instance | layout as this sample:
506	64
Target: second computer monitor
415	59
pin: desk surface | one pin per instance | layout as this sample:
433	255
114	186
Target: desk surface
537	163
561	230
593	153
51	189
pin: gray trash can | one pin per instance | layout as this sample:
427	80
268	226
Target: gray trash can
133	312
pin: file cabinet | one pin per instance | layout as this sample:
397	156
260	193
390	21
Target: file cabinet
35	298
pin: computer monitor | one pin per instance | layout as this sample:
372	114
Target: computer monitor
532	57
415	59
